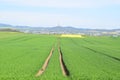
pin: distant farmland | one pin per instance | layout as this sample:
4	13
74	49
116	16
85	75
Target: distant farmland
51	57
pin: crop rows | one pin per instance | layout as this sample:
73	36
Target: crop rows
20	59
89	59
48	57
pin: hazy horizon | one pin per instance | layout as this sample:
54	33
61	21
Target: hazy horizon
103	14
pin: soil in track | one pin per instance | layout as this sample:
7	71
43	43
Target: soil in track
53	70
64	68
57	64
41	71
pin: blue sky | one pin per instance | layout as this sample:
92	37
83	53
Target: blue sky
103	14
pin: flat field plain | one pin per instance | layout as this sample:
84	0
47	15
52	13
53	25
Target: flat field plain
22	56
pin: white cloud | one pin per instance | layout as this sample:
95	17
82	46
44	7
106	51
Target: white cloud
44	19
62	3
51	19
41	19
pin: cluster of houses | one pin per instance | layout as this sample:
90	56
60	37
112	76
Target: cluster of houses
114	33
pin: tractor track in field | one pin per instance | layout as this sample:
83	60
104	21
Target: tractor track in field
42	70
64	68
101	53
112	57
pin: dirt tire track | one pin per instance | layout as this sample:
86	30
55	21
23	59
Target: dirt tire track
65	71
41	71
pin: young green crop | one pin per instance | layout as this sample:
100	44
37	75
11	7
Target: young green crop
89	58
22	55
86	59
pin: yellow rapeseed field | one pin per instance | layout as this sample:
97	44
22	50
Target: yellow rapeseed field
72	35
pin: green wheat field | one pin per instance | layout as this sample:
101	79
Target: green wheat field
89	58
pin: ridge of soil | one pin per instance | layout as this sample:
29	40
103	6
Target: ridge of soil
41	71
